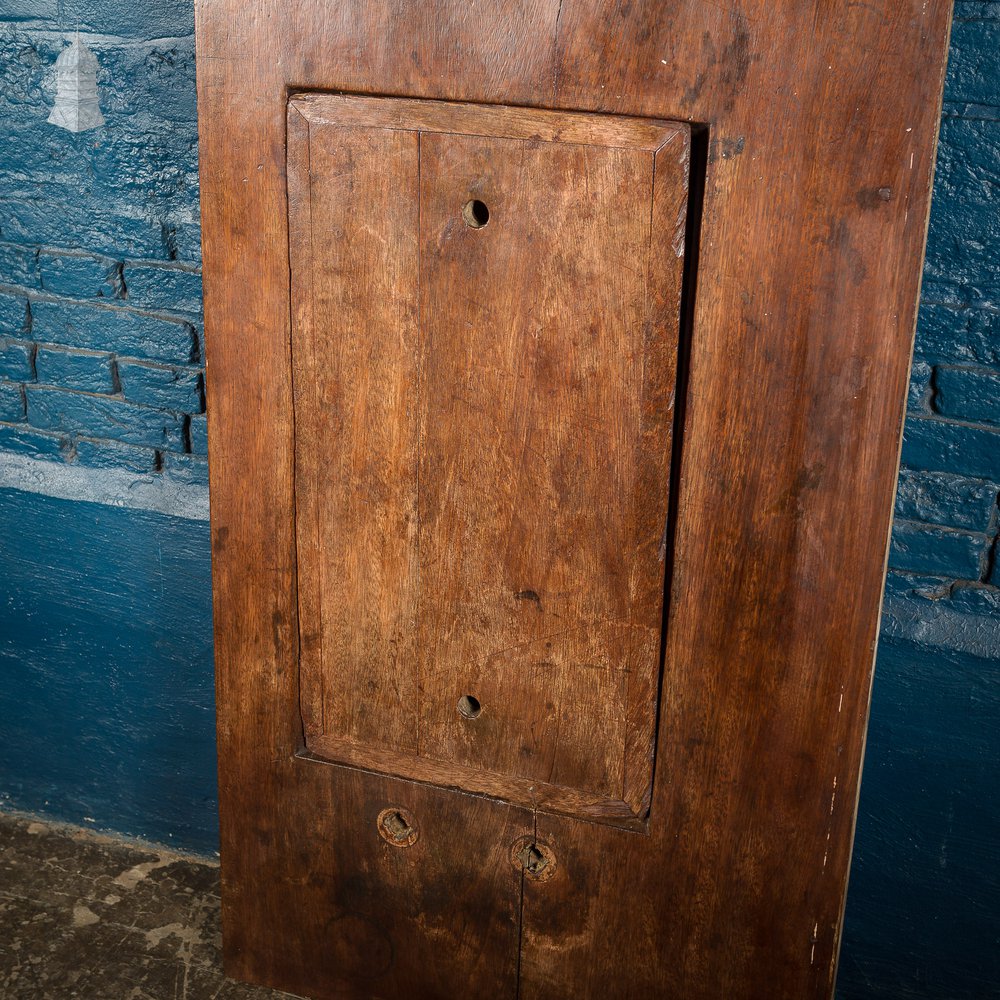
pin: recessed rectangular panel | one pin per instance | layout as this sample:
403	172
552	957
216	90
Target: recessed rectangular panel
486	320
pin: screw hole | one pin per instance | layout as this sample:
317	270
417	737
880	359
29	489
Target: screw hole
396	827
536	860
469	707
476	214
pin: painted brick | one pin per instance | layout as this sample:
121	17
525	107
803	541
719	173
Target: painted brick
917	548
13	313
962	264
924	599
920	387
937	445
11	401
115	455
975	41
100	417
157	20
162	286
30	10
106	686
80	276
15	360
89	371
160	385
127	189
198	435
18	265
940	498
979	601
968	394
20	440
189	469
111	328
959	335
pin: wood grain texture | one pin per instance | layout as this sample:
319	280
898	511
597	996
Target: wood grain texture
481	492
356	355
821	126
499	122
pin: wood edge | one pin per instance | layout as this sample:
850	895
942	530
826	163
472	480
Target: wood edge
499	121
669	203
521	792
928	192
311	698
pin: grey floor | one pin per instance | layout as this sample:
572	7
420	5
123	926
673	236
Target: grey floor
90	917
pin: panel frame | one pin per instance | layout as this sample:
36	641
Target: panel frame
667	146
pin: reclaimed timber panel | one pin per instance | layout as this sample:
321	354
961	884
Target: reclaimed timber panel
819	123
356	355
552	336
483	415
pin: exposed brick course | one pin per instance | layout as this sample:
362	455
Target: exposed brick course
89	371
79	275
16	360
198	434
967	393
13	312
162	385
114	328
936	445
18	439
921	548
11	401
82	413
115	455
163	286
946	499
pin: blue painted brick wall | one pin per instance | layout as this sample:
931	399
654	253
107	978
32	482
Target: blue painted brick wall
100	286
953	425
105	638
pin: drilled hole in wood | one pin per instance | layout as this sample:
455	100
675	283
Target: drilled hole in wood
396	827
475	213
535	859
469	707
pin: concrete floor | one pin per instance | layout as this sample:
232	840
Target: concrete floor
86	916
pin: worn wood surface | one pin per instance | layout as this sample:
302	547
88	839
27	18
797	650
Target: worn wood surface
821	121
356	353
483	415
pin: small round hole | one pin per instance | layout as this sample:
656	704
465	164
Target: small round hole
397	827
469	707
476	214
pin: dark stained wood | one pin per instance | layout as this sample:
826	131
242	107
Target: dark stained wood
821	123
